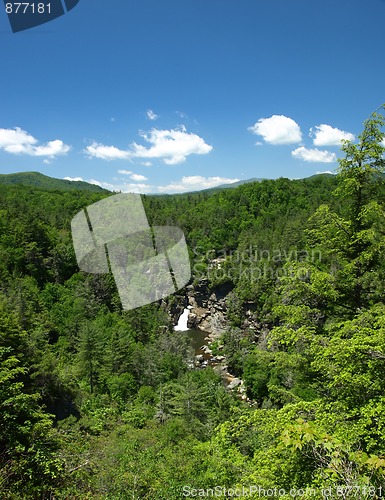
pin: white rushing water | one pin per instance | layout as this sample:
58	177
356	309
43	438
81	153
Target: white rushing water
182	322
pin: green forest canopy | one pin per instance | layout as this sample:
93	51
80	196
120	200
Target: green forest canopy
97	402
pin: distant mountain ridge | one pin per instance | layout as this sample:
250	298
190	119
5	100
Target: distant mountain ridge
257	179
239	183
36	179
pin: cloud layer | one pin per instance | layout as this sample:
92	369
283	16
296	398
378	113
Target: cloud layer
194	183
278	129
96	150
187	183
326	135
172	146
313	155
133	176
18	141
151	115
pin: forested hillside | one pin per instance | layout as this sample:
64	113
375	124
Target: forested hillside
97	402
36	179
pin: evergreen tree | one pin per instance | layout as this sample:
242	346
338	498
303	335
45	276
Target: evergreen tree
353	240
90	354
27	462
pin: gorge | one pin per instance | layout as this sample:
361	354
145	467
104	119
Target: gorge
204	321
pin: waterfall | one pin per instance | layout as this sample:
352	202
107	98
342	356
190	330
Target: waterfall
182	322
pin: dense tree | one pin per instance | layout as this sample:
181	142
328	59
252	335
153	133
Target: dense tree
27	444
353	240
130	416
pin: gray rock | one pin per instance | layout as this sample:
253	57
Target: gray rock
191	320
234	383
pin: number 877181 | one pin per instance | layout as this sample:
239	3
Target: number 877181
27	8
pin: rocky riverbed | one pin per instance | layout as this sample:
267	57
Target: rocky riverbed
204	357
203	312
202	343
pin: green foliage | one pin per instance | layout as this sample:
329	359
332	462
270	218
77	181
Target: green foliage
27	461
97	402
36	179
277	377
352	359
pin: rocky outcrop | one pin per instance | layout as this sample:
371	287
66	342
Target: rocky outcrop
208	308
250	321
175	307
208	312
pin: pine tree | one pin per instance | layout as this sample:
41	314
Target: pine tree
27	463
353	240
90	353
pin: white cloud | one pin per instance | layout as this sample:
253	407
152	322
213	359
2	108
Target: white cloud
151	115
125	187
314	155
105	185
172	146
125	172
15	140
52	149
18	141
194	183
146	163
106	152
277	129
325	135
383	142
187	183
134	177
138	177
325	172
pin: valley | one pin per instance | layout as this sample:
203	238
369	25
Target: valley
267	368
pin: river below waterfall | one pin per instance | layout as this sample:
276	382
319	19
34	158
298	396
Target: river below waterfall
197	339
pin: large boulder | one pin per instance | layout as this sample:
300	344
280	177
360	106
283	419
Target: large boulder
234	383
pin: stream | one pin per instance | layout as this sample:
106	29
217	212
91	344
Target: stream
198	339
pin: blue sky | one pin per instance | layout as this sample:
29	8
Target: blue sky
177	95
